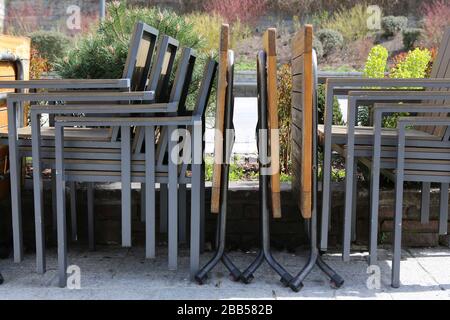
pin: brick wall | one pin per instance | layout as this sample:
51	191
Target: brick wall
243	231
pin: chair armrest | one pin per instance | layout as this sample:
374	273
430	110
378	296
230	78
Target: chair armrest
66	121
67	84
104	108
435	121
358	82
85	96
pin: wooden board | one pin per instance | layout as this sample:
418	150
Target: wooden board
220	117
270	47
302	119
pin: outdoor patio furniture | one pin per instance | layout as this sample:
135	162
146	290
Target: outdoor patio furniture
224	141
304	148
131	170
343	139
105	152
138	63
91	145
268	149
431	170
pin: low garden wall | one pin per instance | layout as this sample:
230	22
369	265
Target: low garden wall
243	233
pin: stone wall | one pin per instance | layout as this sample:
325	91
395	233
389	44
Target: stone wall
243	232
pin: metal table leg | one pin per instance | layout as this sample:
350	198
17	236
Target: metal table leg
265	253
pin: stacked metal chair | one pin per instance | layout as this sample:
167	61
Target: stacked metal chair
376	147
91	150
132	170
141	49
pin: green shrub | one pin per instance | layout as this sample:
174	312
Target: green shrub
337	114
410	37
51	45
330	39
375	68
413	66
102	54
376	62
317	45
392	25
351	23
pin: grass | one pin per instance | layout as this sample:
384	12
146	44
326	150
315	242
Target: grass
245	65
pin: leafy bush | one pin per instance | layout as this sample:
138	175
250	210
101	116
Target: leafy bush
102	54
413	66
436	20
247	11
208	26
317	45
321	100
392	25
375	68
410	37
376	62
351	23
330	39
50	45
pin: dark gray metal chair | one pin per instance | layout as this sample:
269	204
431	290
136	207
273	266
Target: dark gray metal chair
412	167
138	63
103	151
343	139
128	169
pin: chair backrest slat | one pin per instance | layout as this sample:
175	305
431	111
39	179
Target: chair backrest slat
441	69
140	53
302	120
162	68
139	58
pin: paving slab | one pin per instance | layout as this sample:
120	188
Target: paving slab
116	273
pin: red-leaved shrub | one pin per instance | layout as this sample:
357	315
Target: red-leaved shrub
246	11
436	19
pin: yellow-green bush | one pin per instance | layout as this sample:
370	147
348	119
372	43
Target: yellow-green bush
207	26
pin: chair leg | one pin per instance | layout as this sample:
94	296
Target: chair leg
182	213
163	195
91	217
349	195
61	208
73	210
202	210
354	202
443	217
54	218
143	199
15	186
397	232
126	186
38	197
173	202
196	201
149	196
425	204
